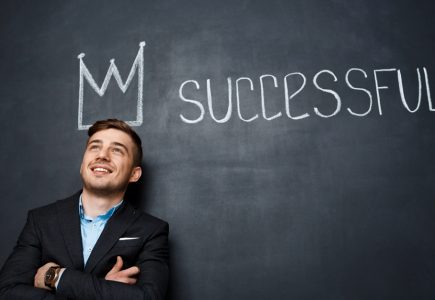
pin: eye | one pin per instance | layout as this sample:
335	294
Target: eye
117	150
93	147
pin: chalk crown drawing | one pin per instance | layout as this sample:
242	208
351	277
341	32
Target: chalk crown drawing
113	71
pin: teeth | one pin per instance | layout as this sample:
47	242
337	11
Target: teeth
101	170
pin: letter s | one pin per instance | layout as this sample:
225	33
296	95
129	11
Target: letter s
197	103
336	96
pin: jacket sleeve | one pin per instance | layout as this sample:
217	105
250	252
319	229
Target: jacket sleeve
17	274
152	280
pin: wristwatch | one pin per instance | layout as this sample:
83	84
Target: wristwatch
51	276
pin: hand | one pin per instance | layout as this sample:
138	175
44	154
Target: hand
124	276
39	281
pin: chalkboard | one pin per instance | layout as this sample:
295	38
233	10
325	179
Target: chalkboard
289	144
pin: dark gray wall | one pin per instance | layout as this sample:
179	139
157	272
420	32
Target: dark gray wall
314	208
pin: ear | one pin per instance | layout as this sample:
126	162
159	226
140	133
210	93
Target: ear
136	173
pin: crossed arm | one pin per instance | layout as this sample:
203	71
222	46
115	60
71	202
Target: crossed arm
127	276
22	276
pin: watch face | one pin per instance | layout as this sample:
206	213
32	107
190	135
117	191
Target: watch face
49	276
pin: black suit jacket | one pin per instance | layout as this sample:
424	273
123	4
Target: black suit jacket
52	234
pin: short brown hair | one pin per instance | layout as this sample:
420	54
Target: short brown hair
124	127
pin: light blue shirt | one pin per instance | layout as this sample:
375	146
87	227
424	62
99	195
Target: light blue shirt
91	228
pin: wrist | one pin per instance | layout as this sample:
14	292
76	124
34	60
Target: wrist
51	276
58	277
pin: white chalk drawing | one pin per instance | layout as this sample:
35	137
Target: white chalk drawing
335	99
350	85
263	102
238	99
113	71
429	99
402	94
329	91
287	98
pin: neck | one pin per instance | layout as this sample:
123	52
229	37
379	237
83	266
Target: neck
95	205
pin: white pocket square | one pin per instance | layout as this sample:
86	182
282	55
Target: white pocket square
129	238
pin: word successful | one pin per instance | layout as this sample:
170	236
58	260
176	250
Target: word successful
298	78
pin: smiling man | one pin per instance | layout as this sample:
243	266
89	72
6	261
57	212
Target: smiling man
94	244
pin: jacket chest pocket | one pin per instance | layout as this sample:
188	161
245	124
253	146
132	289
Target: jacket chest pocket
128	242
129	250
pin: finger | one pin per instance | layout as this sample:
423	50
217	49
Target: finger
132	271
128	280
39	277
119	263
40	283
131	281
117	267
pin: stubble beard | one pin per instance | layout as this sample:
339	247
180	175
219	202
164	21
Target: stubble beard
104	189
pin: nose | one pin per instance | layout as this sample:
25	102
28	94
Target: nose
104	154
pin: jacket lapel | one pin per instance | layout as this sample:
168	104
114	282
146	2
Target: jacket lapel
114	229
69	220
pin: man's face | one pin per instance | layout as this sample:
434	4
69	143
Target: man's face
107	165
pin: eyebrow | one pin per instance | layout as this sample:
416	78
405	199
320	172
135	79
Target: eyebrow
95	142
113	143
120	145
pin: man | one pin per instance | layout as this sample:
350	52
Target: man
93	245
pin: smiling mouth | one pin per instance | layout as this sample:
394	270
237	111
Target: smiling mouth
101	170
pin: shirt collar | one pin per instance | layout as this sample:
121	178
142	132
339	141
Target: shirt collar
103	217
